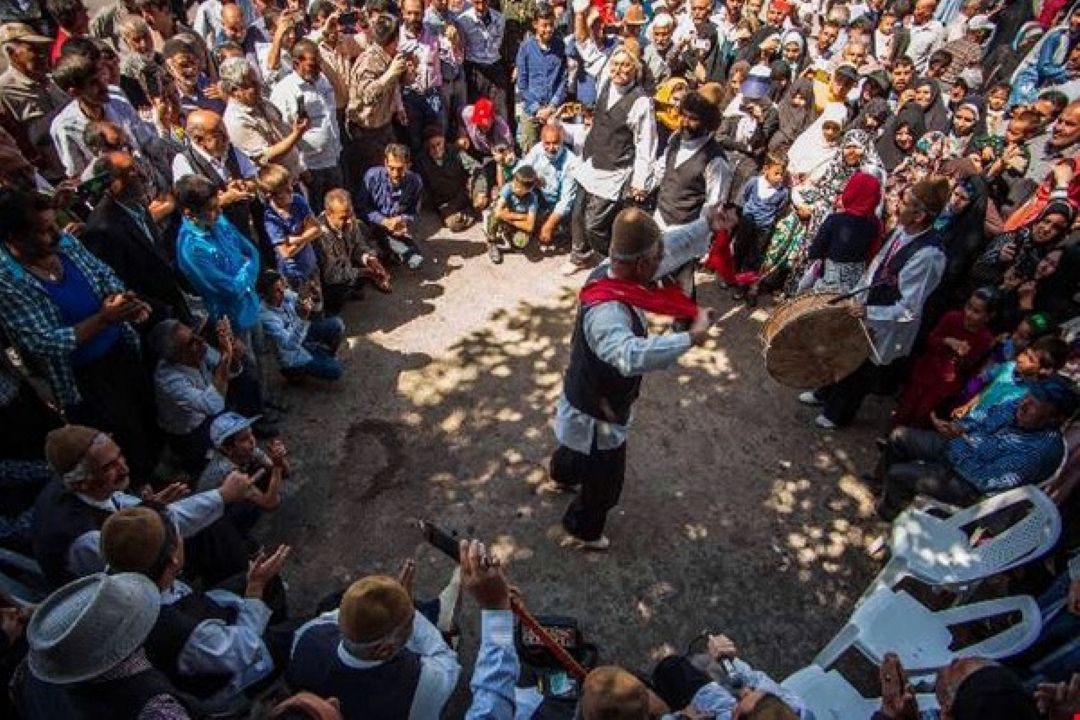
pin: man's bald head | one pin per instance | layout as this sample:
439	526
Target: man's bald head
611	693
552	132
232	21
633	234
206	129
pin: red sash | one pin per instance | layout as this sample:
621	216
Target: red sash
670	300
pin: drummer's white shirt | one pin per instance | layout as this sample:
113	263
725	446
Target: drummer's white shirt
609	334
893	328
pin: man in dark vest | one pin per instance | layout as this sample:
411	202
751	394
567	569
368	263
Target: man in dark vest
93	478
897	284
617	155
693	175
376	654
209	153
86	658
610	352
213	644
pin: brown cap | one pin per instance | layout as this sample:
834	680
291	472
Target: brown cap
633	233
21	32
611	692
66	446
932	193
131	540
372	608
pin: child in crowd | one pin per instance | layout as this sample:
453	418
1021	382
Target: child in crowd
996	117
847	239
956	346
292	229
762	199
1011	380
512	220
304	347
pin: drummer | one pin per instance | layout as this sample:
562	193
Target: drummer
896	286
609	353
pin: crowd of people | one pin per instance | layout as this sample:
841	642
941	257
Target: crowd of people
191	194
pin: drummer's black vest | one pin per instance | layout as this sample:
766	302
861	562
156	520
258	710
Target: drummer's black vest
593	386
886	280
683	191
610	142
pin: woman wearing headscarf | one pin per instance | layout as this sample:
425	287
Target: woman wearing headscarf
669	95
793	51
796	113
817	144
1017	253
924	161
897	141
847	238
962	227
812	201
967	124
928	105
872	117
1002	62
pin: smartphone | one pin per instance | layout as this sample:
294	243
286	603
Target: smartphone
301	109
93	186
440	539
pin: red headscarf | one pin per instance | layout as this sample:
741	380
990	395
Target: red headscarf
861	197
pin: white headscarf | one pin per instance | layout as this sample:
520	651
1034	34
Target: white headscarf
810	149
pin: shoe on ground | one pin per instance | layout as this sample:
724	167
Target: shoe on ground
824	423
495	255
555	488
571	267
575	543
414	260
809	398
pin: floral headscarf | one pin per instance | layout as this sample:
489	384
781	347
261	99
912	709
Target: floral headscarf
863	140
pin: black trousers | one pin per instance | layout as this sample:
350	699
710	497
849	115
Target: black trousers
590	225
844	397
915	463
600	475
492	82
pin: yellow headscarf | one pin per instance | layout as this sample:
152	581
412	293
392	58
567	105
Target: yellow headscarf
667	110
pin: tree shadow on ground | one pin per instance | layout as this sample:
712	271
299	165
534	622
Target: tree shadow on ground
735	516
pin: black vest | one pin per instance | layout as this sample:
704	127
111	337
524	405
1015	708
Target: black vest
170	633
120	699
610	142
593	386
59	518
384	692
888	272
683	191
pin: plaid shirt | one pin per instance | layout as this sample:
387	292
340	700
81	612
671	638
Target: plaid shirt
33	321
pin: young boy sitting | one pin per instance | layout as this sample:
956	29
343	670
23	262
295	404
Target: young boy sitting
291	227
513	217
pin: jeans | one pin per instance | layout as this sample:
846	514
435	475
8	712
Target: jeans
915	463
323	338
1059	641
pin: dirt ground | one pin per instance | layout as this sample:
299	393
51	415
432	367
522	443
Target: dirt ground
737	515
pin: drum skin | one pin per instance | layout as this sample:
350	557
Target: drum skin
810	343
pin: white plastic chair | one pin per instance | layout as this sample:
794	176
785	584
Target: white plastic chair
939	550
829	695
896	622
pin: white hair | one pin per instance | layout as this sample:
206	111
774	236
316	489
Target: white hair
663	20
81	471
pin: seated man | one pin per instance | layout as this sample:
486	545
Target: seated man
346	259
445	171
1016	443
92	479
303	346
554	163
212	644
376	654
390	201
235	450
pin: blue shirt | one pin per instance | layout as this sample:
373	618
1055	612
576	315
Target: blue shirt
379	200
995	454
541	74
223	266
76	301
762	212
301	266
496	669
530	204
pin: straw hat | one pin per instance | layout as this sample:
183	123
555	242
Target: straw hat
89	626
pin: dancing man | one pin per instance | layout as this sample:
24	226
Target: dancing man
610	352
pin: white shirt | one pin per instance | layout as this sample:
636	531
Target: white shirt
609	184
320	146
181	167
68	126
717	175
925	40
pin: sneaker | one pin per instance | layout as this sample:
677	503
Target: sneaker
414	260
576	543
809	398
495	255
824	423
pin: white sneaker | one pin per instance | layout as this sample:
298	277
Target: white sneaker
414	261
809	398
575	543
824	423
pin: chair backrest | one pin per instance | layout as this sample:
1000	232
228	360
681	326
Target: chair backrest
1031	534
